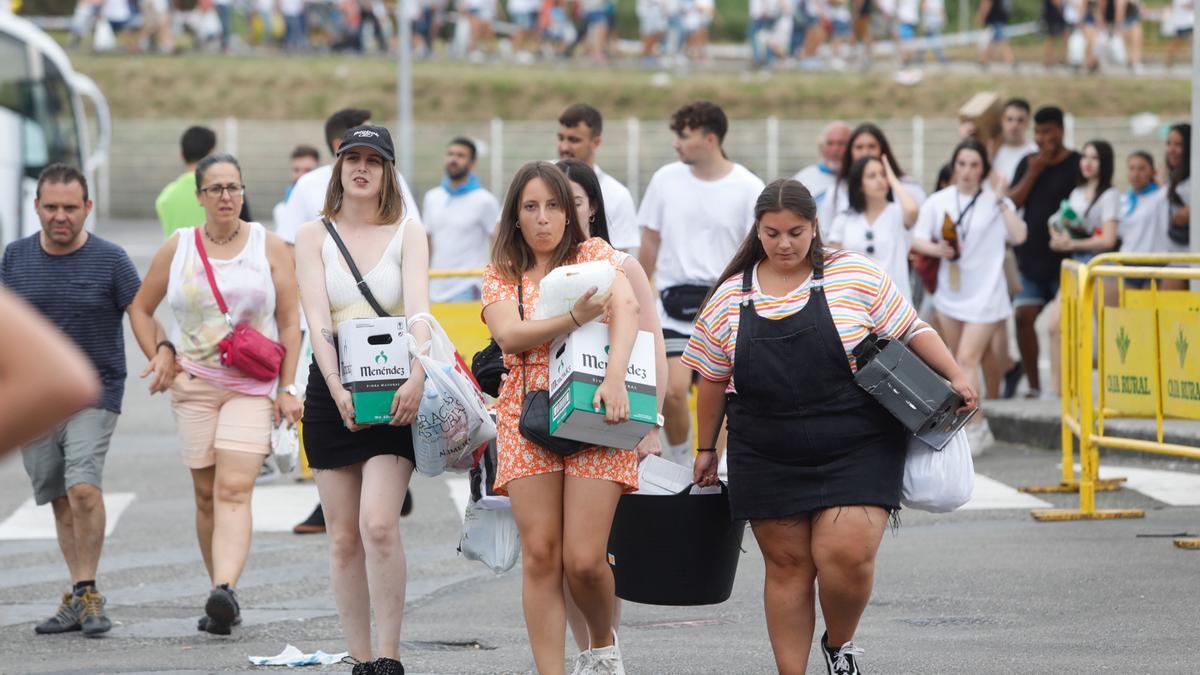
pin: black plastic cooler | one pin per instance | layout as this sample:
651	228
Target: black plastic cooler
675	549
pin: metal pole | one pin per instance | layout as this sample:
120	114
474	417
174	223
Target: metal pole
1195	182
964	13
231	136
497	163
772	148
404	109
1069	130
632	155
918	141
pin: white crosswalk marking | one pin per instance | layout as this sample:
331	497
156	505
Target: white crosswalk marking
31	521
992	494
1174	488
276	508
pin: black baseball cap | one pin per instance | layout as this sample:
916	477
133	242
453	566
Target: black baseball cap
369	136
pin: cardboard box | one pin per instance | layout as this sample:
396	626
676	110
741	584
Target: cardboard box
985	111
910	390
577	367
374	362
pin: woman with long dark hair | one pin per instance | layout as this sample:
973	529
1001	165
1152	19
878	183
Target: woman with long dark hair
867	140
563	505
815	463
1096	204
1097	207
589	200
877	222
967	225
1179	192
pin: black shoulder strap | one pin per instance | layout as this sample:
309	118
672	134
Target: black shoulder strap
358	279
748	279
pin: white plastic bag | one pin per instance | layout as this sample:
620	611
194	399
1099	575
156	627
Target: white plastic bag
1076	48
490	536
452	420
285	447
1116	49
104	39
938	481
561	288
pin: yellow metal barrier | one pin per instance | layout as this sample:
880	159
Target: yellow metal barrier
1146	362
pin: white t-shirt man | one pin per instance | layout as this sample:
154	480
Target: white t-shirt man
460	226
622	214
701	224
818	178
886	241
982	293
1144	216
1007	158
308	198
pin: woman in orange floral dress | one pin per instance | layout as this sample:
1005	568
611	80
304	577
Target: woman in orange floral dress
563	505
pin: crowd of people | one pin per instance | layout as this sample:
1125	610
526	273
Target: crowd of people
763	293
810	34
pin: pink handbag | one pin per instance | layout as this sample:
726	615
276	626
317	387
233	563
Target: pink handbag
245	349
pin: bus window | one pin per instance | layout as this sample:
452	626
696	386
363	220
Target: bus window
55	114
14	74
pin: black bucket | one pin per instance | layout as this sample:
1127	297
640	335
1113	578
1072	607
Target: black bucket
675	549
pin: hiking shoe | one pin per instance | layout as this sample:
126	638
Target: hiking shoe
840	661
386	666
202	624
222	610
406	508
90	607
64	620
360	667
313	524
1011	379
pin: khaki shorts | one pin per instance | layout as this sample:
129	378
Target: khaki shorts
212	418
70	455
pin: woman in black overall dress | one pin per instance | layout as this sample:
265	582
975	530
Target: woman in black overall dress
814	462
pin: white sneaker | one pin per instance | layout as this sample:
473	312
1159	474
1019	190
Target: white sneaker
605	660
583	663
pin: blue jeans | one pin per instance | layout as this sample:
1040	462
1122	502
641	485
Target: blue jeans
225	14
296	36
762	55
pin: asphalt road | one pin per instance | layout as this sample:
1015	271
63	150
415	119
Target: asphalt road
985	590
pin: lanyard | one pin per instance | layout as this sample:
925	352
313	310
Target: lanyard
962	214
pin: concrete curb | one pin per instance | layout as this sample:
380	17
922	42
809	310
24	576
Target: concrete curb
1037	423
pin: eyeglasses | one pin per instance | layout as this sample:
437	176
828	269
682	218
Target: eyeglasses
870	247
217	191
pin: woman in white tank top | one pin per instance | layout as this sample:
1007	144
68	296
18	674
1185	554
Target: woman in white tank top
224	416
362	472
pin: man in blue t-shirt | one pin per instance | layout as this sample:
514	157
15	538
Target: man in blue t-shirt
83	285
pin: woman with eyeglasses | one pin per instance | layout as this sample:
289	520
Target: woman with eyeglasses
967	226
878	220
224	416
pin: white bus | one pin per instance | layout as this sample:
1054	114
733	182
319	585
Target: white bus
42	120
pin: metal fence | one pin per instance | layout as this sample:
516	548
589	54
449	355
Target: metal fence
145	153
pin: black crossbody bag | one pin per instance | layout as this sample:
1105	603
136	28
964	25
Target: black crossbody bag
535	411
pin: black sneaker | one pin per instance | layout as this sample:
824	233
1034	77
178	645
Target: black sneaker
386	666
90	606
64	620
1012	378
313	524
840	661
360	667
202	624
222	610
406	508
